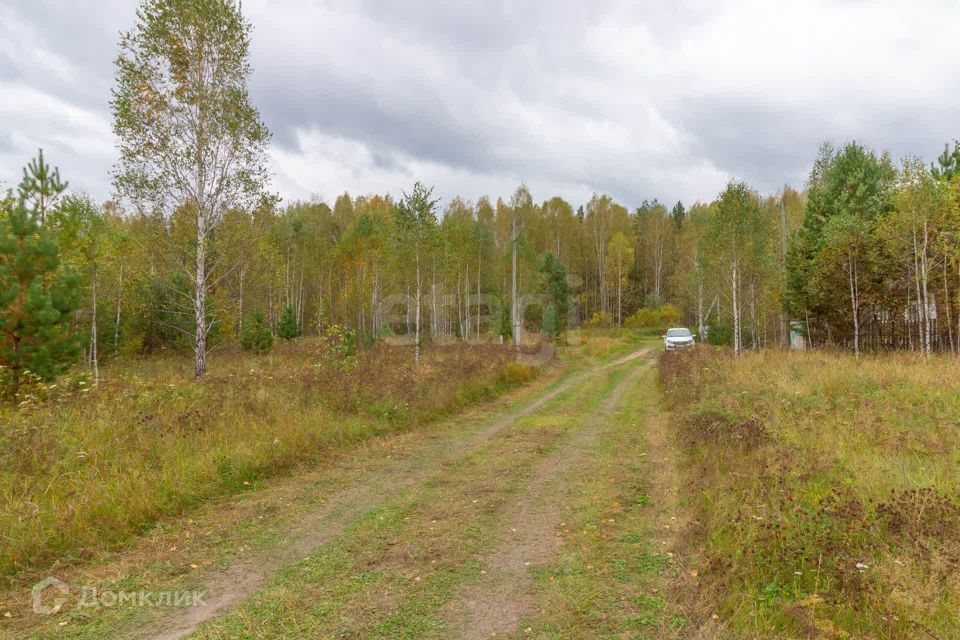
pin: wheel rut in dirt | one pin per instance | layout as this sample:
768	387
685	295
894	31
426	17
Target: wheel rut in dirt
497	605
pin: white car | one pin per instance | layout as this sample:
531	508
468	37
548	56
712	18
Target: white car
678	338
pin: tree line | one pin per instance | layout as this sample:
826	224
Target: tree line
194	252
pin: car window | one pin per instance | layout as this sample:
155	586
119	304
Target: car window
678	333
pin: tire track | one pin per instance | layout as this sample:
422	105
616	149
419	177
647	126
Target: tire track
498	605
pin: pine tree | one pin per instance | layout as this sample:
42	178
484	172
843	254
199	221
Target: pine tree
288	327
505	330
678	213
948	164
557	289
255	335
41	186
37	297
549	324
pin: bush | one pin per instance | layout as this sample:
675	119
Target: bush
600	320
339	346
256	335
659	318
720	334
517	373
289	326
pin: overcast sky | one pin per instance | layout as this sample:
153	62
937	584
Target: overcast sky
634	99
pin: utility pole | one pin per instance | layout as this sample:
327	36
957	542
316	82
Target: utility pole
514	306
784	329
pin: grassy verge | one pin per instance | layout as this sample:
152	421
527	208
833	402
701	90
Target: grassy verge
84	470
825	490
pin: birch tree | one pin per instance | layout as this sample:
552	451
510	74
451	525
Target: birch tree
189	136
736	242
619	259
911	232
598	220
416	225
520	205
81	227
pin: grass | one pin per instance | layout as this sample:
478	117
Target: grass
84	470
824	490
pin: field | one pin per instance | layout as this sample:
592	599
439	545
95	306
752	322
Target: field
82	470
823	491
384	531
609	492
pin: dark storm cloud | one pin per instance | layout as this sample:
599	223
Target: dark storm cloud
418	125
769	144
764	144
632	99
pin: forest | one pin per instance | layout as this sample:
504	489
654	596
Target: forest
865	257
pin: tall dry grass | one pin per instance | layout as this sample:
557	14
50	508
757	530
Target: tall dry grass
83	470
826	490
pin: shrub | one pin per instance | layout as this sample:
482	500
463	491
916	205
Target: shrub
289	326
256	335
339	346
659	318
600	320
517	373
720	334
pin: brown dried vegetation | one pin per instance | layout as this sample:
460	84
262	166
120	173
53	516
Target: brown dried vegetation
84	471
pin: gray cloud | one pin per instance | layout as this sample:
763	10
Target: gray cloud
627	98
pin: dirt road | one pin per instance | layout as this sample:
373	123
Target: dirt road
527	518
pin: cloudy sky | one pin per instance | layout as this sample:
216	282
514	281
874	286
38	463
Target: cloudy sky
635	99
